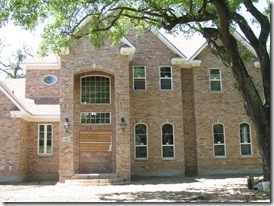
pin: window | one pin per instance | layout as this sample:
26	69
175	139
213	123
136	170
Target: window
219	140
167	141
141	141
215	80
245	139
95	90
45	139
165	78
95	118
139	77
49	80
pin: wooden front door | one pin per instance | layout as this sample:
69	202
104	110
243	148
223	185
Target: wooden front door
95	152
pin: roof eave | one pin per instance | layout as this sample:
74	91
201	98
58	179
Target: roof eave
13	99
34	118
186	64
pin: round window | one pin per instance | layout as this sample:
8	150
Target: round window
50	80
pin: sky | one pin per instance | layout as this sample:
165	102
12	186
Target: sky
16	37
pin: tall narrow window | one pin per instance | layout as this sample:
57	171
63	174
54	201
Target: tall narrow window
215	80
141	141
95	90
45	139
167	141
219	140
165	78
245	139
139	77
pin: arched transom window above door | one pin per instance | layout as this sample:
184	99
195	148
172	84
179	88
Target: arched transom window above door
95	90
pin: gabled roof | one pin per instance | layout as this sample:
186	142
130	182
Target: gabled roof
169	44
14	89
236	35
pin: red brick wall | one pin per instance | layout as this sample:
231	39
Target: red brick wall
23	148
154	107
226	107
190	144
9	143
83	58
39	166
35	88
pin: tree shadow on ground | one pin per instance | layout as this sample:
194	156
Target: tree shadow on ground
237	193
143	180
187	196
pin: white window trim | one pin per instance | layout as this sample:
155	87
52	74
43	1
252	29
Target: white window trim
145	78
221	81
95	123
219	156
251	149
162	145
110	83
171	78
142	146
45	140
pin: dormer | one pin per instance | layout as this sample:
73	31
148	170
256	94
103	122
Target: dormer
43	79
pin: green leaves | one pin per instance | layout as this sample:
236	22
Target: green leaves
66	20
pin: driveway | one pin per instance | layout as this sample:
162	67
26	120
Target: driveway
146	189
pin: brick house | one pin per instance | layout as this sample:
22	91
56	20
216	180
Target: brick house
136	108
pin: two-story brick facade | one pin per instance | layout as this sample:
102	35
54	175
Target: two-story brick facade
136	108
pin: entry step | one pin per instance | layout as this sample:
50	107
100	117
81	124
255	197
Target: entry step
96	179
95	176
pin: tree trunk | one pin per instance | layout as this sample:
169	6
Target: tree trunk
259	114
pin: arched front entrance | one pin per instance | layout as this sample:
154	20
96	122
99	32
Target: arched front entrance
94	122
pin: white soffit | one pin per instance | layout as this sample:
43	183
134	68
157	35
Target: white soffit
128	50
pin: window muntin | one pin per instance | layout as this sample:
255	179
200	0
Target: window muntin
141	149
245	139
45	139
95	90
95	118
139	78
215	80
167	141
219	140
165	78
50	80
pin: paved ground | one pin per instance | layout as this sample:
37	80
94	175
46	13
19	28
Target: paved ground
153	189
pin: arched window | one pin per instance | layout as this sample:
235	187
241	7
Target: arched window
140	141
167	141
245	139
95	90
219	140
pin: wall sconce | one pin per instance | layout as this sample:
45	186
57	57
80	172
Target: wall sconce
66	125
123	124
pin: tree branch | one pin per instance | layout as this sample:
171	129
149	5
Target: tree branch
245	28
262	19
5	71
7	66
189	18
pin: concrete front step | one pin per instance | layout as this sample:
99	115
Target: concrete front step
94	176
95	179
